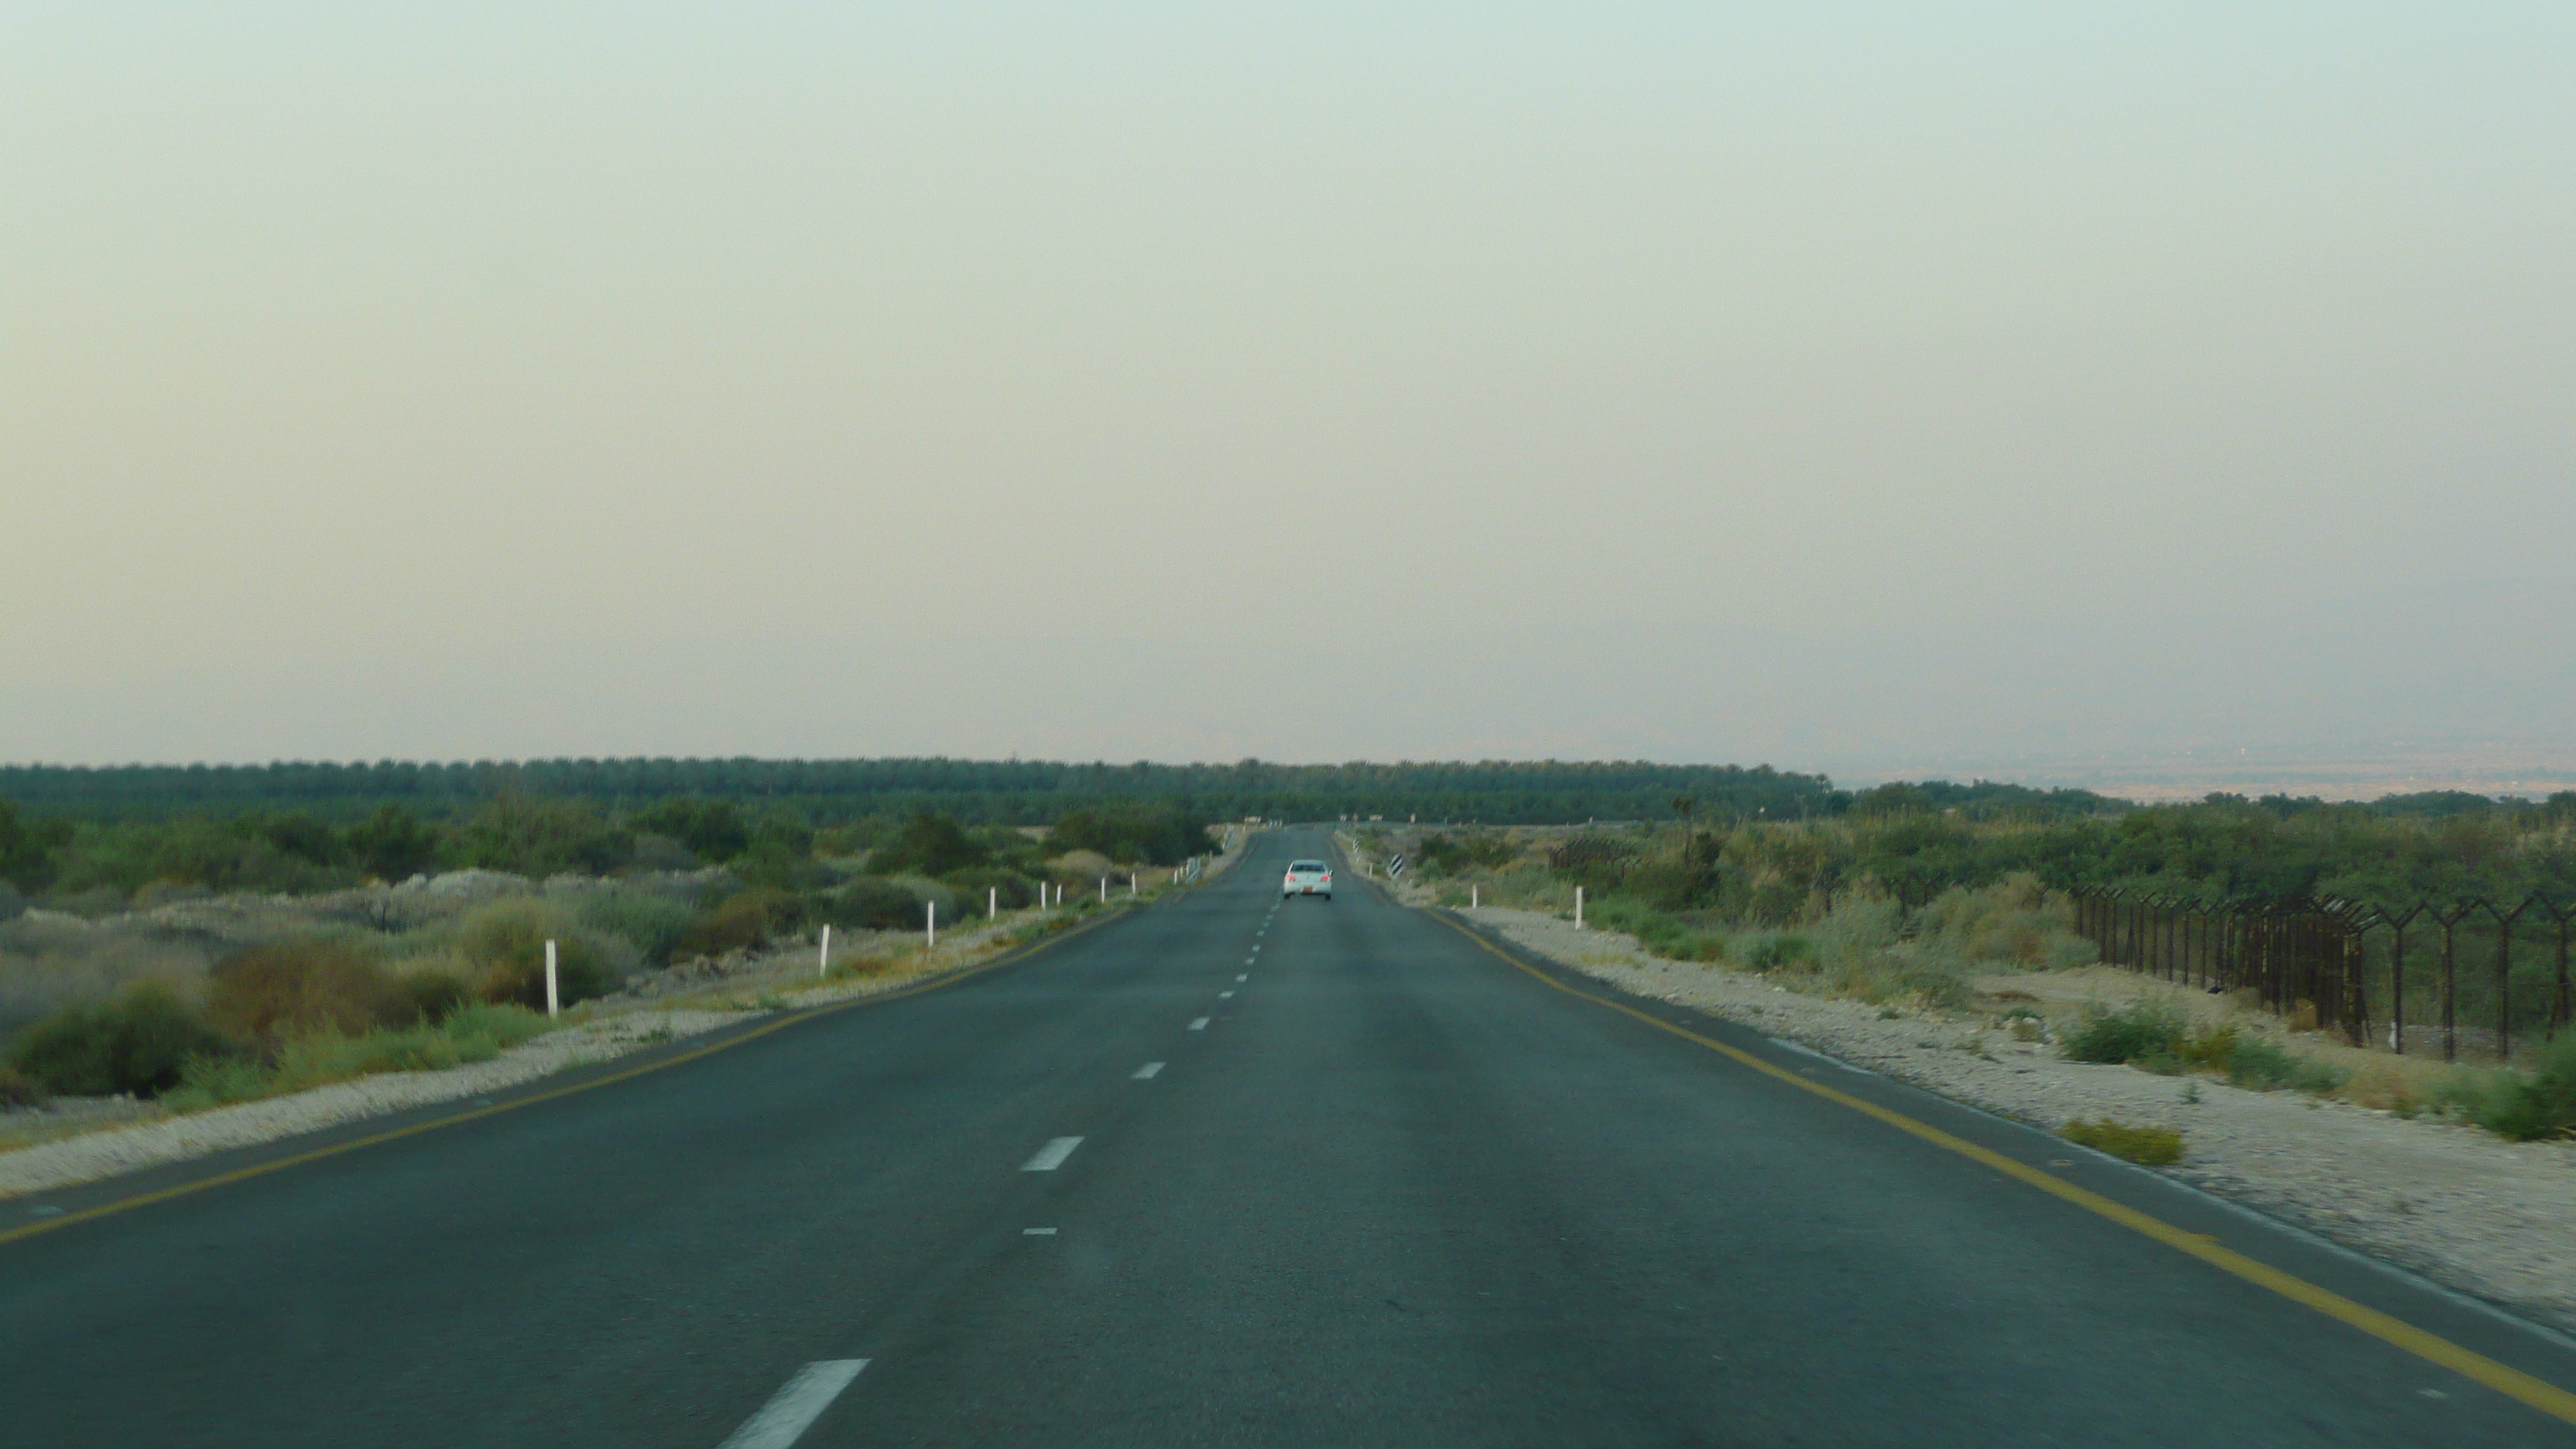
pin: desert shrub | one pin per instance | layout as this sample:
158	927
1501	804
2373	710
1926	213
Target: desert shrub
504	943
2146	1032
870	904
2014	922
270	994
47	964
436	995
1079	871
136	1041
17	1089
743	920
971	885
2147	1146
653	924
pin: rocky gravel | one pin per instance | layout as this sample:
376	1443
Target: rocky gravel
2491	1218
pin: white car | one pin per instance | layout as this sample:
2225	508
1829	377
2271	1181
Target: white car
1307	878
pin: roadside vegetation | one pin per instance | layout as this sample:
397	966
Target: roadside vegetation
197	961
1911	896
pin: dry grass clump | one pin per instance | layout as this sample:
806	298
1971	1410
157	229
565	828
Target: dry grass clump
2146	1146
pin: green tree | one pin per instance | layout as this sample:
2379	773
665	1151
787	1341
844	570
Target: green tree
392	844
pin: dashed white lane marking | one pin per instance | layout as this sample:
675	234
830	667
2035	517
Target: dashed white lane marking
1225	996
1037	1232
794	1408
1052	1156
1243	978
1147	1072
1199	1025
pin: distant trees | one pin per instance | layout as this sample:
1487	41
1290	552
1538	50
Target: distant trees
1154	834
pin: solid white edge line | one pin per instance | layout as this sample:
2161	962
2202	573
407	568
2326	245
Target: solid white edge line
1051	1156
794	1408
1199	1025
1147	1072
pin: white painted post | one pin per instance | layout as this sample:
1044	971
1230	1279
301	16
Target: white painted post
933	907
823	967
992	903
1471	897
552	1003
1131	885
1104	890
1578	908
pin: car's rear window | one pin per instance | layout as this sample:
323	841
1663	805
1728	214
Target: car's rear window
1307	867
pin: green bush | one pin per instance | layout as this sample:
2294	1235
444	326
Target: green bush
2144	1032
653	924
504	943
2147	1146
870	904
2250	1061
928	844
1771	950
138	1041
2526	1108
268	994
471	1034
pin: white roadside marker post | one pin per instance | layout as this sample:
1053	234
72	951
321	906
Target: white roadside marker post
1471	897
552	1003
1578	908
992	903
933	907
1131	885
1104	890
823	965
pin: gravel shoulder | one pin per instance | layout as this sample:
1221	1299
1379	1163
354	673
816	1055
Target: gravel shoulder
2491	1218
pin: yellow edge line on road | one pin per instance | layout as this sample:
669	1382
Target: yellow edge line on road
221	1179
2548	1398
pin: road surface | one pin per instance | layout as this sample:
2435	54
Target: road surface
1225	1171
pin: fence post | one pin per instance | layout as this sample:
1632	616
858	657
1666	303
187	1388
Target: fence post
932	919
2558	1007
2504	977
992	903
823	963
2450	995
552	1005
1578	908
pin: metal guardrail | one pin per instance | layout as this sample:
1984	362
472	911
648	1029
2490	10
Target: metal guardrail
2316	952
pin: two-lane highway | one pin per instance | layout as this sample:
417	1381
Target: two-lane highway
1231	1171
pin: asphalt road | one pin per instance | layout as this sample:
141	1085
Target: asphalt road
1384	1187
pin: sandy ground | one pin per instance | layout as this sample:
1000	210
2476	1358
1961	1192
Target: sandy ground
2493	1218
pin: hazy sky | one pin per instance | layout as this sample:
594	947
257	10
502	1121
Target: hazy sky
1823	384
